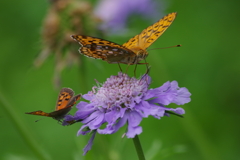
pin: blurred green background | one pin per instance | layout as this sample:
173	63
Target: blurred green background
208	64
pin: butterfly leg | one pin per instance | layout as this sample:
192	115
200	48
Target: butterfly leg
135	69
147	72
127	68
60	121
119	67
73	121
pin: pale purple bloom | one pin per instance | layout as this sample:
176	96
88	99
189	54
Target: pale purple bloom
114	13
126	100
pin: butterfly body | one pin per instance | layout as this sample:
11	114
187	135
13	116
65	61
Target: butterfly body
66	100
140	53
131	52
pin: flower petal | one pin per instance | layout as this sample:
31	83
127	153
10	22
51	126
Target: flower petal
133	131
89	144
165	99
112	128
89	96
176	110
95	120
84	110
83	130
134	118
113	115
183	96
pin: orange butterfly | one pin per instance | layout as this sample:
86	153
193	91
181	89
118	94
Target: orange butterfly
131	52
64	104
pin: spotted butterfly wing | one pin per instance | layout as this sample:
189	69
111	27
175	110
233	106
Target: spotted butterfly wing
102	49
151	33
66	100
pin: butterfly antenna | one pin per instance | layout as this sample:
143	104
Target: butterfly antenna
147	72
179	45
119	67
39	119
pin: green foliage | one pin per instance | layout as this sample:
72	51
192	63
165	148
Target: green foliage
208	64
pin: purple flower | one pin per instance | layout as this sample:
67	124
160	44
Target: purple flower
124	100
114	13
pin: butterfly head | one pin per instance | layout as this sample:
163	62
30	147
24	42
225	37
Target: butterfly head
140	54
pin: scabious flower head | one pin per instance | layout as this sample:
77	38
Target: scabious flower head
126	100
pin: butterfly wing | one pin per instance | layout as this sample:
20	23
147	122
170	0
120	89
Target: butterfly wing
73	100
151	34
64	97
102	49
59	114
39	113
64	104
131	43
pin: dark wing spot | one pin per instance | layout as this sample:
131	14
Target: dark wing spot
100	42
93	47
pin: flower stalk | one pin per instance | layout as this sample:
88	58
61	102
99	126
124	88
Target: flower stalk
138	148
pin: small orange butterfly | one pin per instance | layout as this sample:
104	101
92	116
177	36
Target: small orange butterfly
131	52
64	104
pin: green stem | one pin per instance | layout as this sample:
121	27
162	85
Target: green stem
82	75
22	130
138	147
